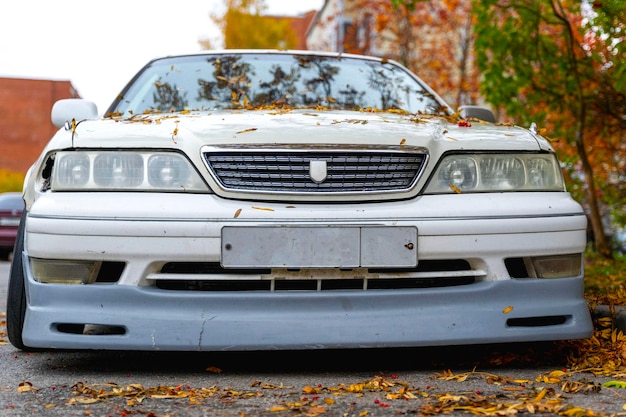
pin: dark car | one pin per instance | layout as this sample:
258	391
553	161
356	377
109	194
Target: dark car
11	207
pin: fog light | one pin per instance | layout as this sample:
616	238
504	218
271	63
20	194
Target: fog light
556	266
57	271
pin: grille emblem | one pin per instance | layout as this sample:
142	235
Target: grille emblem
318	171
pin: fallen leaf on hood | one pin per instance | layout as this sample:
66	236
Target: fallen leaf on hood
252	129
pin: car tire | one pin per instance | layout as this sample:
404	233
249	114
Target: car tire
16	298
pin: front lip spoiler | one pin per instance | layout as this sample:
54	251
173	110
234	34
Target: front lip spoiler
146	318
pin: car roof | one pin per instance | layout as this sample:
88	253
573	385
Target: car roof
278	52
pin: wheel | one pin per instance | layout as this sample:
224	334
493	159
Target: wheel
16	298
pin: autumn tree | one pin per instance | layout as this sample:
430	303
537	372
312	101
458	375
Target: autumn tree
244	25
433	38
560	63
10	181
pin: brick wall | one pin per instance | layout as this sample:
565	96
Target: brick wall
25	125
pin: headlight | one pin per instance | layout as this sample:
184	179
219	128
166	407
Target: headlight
124	170
466	173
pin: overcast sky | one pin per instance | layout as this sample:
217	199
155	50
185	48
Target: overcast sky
100	48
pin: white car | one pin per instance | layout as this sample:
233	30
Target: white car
251	200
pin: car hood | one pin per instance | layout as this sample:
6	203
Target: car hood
191	130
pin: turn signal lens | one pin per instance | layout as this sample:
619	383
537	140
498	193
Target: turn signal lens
58	271
557	266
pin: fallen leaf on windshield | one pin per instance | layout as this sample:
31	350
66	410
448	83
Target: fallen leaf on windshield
263	208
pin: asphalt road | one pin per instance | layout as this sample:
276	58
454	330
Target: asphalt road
457	380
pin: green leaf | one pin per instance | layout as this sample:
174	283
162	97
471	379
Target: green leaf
615	384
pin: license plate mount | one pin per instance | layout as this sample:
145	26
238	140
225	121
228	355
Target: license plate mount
319	246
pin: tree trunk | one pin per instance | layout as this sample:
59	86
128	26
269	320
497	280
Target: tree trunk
601	244
579	108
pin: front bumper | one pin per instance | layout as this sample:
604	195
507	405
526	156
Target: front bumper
486	312
494	308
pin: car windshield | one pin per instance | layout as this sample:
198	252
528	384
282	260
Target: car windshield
265	80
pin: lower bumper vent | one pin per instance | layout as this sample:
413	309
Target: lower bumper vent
540	321
212	277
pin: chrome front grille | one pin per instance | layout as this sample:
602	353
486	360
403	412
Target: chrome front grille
326	171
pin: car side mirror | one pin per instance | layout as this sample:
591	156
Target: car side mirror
73	108
477	112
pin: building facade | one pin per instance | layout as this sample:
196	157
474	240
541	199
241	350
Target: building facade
25	106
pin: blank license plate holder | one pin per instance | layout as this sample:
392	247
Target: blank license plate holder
319	246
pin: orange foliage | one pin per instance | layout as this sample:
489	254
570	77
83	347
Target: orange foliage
10	181
434	39
557	63
244	26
